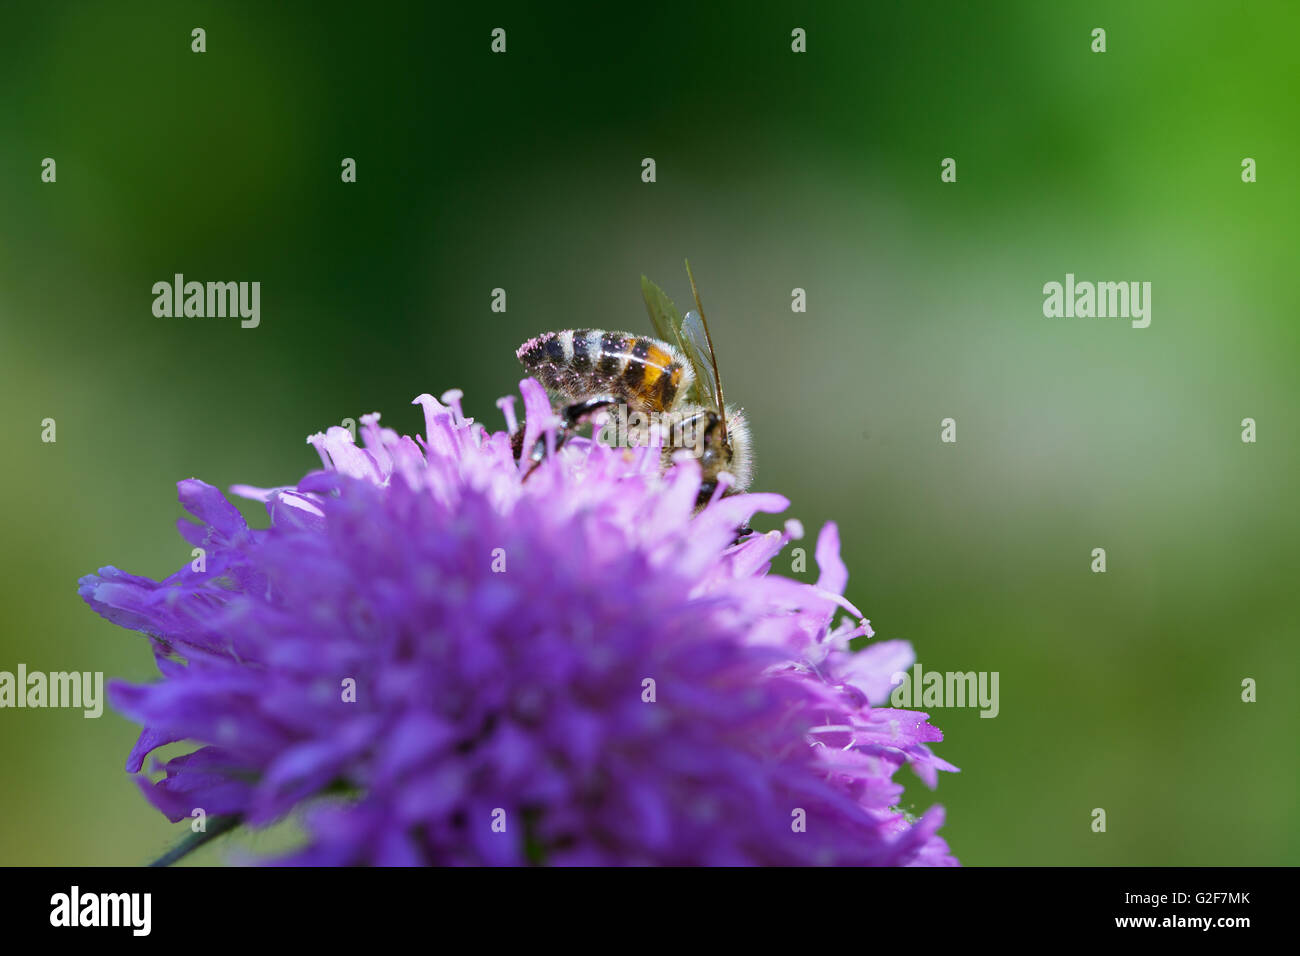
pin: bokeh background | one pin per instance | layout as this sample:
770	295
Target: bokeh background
774	171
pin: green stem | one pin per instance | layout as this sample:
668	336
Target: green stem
216	827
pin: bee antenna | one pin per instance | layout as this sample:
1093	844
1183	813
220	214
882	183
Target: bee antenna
713	358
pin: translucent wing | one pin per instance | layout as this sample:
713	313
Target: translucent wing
663	314
668	322
697	349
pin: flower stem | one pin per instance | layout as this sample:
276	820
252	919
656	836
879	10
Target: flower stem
216	827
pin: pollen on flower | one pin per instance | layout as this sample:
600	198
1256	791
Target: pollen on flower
466	691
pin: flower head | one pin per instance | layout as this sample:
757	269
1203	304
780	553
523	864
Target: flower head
447	663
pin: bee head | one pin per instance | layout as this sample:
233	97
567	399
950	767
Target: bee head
715	450
727	449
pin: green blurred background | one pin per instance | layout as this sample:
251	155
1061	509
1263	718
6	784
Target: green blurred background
775	171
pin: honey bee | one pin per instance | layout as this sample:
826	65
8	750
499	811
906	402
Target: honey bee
673	378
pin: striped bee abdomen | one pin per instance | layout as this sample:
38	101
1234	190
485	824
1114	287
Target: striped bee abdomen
576	364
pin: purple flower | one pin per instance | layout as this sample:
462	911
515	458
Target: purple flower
452	665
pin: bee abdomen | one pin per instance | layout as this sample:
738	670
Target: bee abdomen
647	374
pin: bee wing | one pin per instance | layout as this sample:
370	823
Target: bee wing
697	349
663	314
668	322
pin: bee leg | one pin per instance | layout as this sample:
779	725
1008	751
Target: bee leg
517	442
742	533
571	417
538	454
538	451
578	412
707	488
